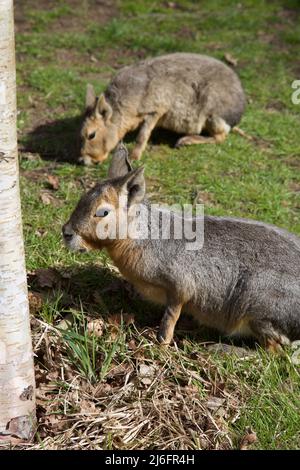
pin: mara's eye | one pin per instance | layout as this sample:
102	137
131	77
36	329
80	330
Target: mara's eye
102	212
92	135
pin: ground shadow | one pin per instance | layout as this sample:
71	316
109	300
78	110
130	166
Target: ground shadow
59	140
56	141
96	291
159	136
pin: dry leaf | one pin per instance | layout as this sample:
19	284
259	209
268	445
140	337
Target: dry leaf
47	198
35	301
213	403
47	277
248	439
132	345
57	422
147	373
102	389
95	327
66	322
53	181
191	389
27	393
87	407
120	370
230	59
20	427
120	318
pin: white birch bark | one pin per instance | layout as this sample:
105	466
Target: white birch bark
17	404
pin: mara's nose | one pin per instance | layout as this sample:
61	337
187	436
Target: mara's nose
85	160
68	232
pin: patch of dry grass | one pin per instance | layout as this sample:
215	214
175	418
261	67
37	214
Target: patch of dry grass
138	397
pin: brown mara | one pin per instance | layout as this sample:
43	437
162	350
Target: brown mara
184	93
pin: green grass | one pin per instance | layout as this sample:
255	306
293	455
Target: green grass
259	179
272	406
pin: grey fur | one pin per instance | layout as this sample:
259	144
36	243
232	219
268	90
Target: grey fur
245	280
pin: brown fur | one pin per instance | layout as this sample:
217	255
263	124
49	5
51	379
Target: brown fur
129	261
184	93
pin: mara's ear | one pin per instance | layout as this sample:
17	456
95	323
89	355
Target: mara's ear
133	184
90	97
103	108
120	164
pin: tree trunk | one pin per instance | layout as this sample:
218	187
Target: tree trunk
17	403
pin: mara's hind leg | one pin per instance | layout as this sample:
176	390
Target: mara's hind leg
215	126
268	336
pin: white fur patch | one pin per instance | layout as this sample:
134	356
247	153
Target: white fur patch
75	244
227	127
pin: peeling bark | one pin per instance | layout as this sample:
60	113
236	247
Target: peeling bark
17	404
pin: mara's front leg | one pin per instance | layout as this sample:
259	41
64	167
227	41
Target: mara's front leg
148	125
168	322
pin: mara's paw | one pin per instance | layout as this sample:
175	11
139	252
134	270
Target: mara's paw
183	141
194	140
162	339
275	345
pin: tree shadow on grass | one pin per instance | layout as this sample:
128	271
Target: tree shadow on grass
56	141
59	140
